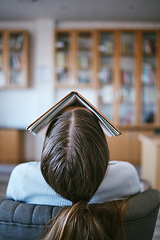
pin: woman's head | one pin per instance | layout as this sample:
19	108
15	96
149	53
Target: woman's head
75	155
74	161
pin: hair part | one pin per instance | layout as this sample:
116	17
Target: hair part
75	155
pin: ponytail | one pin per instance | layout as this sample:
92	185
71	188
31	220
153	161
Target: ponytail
103	221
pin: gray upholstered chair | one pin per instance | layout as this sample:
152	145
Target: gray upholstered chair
21	221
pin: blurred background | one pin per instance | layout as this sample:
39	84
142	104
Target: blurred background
107	50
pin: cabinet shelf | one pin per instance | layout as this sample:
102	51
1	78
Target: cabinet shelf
124	54
84	69
84	49
12	69
127	102
127	85
61	69
16	49
76	58
105	54
14	58
61	50
153	55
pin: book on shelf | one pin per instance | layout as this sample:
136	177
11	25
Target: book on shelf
127	48
17	78
126	77
84	76
127	118
16	41
85	41
106	47
85	45
62	59
62	44
63	76
148	74
127	96
105	75
84	61
72	99
19	41
148	46
149	96
107	94
16	61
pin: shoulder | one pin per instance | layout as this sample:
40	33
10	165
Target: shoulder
23	169
27	184
21	174
122	166
117	164
123	177
122	171
26	165
120	180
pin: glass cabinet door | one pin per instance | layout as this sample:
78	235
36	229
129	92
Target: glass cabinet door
105	75
2	78
17	60
148	77
84	58
63	74
127	78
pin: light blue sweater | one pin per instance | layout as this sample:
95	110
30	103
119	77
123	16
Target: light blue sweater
27	184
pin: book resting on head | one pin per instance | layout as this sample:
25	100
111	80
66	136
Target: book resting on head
72	99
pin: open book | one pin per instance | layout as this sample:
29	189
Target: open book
72	99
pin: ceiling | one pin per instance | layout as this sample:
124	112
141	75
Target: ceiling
88	10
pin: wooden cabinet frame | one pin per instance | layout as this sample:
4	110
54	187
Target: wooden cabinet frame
138	57
6	59
73	37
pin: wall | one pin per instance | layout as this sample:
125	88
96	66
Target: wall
106	25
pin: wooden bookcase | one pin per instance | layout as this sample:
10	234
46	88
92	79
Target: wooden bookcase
74	59
125	73
130	93
14	59
122	66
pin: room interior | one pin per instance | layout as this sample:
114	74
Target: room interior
109	51
115	67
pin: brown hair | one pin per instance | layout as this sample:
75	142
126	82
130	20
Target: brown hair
74	161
